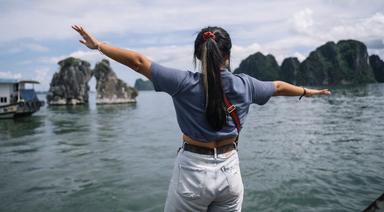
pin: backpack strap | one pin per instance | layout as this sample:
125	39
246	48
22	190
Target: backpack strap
231	109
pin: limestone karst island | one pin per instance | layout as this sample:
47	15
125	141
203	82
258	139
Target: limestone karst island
70	86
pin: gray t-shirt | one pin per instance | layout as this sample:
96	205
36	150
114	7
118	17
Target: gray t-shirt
187	91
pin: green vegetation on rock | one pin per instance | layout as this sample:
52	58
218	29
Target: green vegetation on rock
289	69
259	66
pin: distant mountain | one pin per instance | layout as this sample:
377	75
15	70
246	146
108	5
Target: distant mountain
260	66
289	69
143	85
333	64
377	67
344	62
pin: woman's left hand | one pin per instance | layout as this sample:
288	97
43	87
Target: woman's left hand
314	92
88	40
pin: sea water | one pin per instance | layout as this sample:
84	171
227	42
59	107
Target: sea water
317	154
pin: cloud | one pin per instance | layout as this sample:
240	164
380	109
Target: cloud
43	75
375	44
36	47
299	56
379	52
10	75
367	29
241	52
303	20
42	20
363	28
22	47
91	56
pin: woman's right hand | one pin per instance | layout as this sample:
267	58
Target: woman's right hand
88	40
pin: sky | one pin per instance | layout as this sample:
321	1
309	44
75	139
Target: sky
36	34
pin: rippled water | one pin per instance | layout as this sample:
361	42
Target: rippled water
318	154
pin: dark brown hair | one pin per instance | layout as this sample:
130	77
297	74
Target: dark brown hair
212	52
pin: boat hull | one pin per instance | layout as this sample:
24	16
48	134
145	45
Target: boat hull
20	109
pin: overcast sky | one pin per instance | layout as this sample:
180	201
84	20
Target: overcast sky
36	34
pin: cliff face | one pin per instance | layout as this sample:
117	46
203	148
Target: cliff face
259	66
144	85
377	67
70	84
333	64
330	64
109	88
289	69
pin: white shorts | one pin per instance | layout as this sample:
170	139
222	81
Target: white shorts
205	183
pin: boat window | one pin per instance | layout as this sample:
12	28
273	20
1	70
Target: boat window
3	99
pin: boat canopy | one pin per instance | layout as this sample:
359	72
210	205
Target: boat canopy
29	81
15	81
28	95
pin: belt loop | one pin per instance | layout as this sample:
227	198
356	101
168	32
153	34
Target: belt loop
235	144
180	148
215	153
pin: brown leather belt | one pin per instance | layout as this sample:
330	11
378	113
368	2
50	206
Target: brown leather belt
208	144
206	151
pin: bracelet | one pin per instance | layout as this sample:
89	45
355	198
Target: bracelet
305	92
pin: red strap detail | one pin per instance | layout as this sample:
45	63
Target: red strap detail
233	113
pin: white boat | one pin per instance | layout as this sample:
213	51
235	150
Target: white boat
16	99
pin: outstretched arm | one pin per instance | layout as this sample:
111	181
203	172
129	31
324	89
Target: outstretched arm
286	89
132	59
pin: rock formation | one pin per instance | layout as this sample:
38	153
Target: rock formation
378	67
143	85
289	69
333	64
259	66
330	64
70	84
109	88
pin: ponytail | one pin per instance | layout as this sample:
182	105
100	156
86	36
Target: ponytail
209	50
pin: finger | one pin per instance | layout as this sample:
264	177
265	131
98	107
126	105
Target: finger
86	34
83	32
82	41
326	92
75	28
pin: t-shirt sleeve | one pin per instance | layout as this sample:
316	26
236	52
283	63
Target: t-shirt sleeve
166	79
261	91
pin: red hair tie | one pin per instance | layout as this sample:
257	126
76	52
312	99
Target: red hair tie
207	35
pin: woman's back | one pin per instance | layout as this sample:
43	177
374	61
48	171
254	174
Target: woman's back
187	91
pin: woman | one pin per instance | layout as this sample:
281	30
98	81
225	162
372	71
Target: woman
211	107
